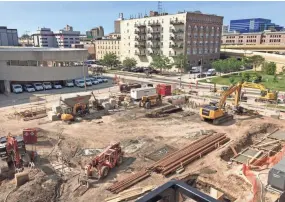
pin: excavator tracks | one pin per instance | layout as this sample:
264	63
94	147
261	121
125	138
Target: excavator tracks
223	119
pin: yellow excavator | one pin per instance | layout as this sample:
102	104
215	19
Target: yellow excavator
215	111
266	94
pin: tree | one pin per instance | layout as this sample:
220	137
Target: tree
180	62
269	68
129	62
160	62
90	57
256	61
245	76
110	59
25	36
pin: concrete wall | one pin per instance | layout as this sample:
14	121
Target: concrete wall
42	54
32	73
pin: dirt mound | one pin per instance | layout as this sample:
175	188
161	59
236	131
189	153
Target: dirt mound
43	188
247	139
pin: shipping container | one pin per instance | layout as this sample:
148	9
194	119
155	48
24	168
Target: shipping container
163	89
138	93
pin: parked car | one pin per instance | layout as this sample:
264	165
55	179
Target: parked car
102	78
38	86
57	85
201	75
125	69
88	82
80	83
69	83
211	72
29	88
94	81
47	85
17	88
98	78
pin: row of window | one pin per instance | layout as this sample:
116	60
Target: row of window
105	52
108	47
107	42
275	36
274	40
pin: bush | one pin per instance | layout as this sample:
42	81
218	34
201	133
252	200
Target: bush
245	76
275	80
232	80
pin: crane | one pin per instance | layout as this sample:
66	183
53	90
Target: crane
215	111
266	94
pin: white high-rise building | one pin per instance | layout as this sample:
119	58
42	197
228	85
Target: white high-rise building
44	37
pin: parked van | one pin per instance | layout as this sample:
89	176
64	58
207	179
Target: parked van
69	83
47	85
80	83
211	72
17	88
57	85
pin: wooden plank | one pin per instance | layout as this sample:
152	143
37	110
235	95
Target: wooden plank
234	151
130	193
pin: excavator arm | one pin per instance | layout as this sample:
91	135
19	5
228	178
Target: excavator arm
254	85
233	89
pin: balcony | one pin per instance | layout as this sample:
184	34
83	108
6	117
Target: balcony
176	46
176	22
140	32
153	24
176	38
140	25
140	53
140	45
176	31
140	39
154	32
153	53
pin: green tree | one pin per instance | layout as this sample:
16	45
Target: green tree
246	76
25	36
256	61
269	68
180	62
130	62
110	59
160	62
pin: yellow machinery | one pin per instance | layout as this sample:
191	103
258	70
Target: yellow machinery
266	94
149	101
77	110
215	112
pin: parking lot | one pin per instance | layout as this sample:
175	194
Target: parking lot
21	98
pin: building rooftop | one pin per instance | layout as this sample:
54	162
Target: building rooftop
36	49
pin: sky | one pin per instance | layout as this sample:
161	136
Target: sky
28	16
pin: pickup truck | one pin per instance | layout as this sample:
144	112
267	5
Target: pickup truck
17	88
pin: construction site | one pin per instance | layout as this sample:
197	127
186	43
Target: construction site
143	142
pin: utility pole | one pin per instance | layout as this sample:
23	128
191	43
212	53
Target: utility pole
84	73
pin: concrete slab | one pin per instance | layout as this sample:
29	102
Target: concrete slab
245	156
278	135
161	152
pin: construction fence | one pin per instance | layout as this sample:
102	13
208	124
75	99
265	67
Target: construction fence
260	164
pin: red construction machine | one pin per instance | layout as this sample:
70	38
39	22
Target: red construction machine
101	164
13	153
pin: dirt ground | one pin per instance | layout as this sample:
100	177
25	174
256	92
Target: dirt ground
60	147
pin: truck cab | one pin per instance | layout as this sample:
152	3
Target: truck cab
29	88
47	85
17	88
80	83
57	85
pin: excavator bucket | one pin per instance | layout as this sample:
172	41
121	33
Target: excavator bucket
21	178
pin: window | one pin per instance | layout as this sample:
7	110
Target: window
216	50
194	51
200	51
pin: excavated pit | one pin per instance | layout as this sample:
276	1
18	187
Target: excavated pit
255	133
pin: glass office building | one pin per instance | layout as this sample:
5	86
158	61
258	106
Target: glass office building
253	25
